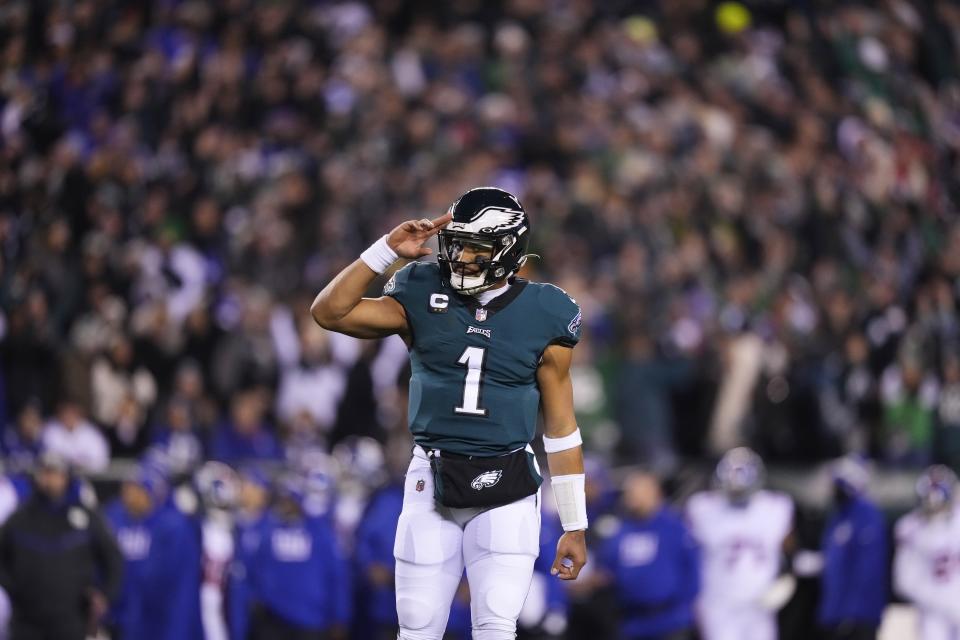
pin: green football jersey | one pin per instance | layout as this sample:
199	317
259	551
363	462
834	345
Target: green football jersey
473	388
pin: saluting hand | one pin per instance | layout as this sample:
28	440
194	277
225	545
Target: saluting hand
408	237
571	555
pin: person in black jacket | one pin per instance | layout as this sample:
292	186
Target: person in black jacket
58	561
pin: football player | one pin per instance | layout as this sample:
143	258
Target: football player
219	489
487	349
742	530
926	568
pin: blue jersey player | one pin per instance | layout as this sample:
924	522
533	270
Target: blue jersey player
488	351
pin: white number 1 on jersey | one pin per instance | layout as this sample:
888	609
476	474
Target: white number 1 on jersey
472	359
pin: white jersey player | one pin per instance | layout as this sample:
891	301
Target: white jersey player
219	488
8	504
742	530
926	569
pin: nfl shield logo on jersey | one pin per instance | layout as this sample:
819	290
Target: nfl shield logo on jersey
420	484
481	314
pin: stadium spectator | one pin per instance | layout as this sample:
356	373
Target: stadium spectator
177	438
849	395
948	415
58	561
115	382
23	441
244	435
854	587
246	356
652	563
909	400
75	438
30	350
315	371
644	385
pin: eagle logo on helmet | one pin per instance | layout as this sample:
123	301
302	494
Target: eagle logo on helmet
486	479
497	219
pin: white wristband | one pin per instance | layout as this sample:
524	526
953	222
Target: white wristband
571	500
379	256
569	441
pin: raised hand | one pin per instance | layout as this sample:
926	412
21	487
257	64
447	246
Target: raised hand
408	237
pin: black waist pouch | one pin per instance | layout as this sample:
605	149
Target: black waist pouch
473	481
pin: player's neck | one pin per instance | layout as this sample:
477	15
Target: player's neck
484	297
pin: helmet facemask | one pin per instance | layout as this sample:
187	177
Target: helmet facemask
473	263
739	475
936	488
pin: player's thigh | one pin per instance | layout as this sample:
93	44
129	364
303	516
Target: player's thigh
428	551
499	549
934	627
426	534
728	621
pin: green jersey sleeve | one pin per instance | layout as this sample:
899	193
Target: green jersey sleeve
399	286
563	313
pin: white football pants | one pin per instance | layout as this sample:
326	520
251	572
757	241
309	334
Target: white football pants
434	543
934	626
734	621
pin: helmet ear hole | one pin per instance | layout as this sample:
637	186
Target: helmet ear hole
499	272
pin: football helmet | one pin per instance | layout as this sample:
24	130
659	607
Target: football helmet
936	488
740	472
218	486
485	241
850	474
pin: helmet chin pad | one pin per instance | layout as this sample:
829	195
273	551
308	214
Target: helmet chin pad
470	285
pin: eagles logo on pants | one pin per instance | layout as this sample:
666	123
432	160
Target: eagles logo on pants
486	479
498	547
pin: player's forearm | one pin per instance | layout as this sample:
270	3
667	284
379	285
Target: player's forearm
346	290
566	462
342	294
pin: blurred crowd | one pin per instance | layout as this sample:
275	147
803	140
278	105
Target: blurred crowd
755	205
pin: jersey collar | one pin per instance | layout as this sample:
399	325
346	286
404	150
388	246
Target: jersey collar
498	303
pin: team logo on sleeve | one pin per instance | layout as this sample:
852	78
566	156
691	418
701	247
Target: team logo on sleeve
391	284
574	326
486	479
